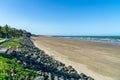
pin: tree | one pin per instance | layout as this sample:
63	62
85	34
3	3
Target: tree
0	31
12	32
5	30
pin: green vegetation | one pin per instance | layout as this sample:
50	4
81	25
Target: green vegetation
8	32
12	43
1	38
10	70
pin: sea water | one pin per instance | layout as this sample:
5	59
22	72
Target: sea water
112	40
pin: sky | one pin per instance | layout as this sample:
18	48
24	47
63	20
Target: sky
62	17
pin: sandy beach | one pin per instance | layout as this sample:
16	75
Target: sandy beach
98	60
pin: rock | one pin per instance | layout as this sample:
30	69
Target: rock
83	75
90	78
47	67
56	78
40	78
50	76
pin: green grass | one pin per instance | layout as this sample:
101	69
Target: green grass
1	38
13	43
7	64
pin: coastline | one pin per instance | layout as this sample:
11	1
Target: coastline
97	64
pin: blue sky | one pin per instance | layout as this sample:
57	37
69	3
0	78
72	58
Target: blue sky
62	17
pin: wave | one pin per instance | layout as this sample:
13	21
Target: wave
113	40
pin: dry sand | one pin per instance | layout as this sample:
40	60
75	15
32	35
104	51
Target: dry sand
98	60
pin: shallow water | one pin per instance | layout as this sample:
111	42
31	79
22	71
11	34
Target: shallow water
112	40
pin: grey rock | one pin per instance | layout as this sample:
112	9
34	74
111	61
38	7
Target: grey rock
47	67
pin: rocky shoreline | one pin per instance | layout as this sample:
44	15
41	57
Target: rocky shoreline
46	67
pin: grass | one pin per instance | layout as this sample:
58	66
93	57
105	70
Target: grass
7	65
12	43
1	38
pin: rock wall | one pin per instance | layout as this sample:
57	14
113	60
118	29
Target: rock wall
46	67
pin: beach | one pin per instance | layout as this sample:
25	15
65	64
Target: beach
98	60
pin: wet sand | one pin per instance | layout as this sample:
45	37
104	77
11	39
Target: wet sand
98	60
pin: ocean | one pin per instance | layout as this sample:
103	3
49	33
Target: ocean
112	40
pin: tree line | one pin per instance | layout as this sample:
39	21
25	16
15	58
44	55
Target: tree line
8	32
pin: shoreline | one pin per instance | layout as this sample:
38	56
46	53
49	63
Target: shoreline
88	41
80	67
109	40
